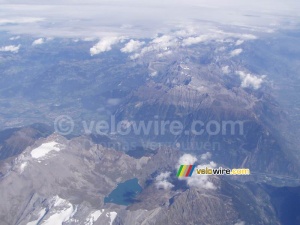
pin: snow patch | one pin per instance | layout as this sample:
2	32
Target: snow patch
93	217
44	149
23	166
112	216
60	216
41	215
58	201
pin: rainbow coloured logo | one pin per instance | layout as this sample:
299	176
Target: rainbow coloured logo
185	170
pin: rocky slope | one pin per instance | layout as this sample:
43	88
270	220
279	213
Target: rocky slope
61	181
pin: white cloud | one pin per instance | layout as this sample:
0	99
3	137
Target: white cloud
132	46
225	69
88	39
221	49
14	38
10	48
240	223
186	31
164	184
135	56
38	41
161	44
236	52
206	156
161	181
163	176
219	36
153	74
250	80
201	181
195	40
248	36
164	42
104	45
239	42
163	54
186	159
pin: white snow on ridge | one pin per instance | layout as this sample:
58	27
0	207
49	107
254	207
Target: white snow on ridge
112	216
41	214
93	217
58	201
44	149
60	216
23	166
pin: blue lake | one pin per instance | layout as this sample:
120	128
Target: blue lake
125	193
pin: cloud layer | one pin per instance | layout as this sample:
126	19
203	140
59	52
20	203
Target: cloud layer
135	18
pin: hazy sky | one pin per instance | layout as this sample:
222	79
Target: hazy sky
140	18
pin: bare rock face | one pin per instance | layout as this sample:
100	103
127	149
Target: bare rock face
209	208
13	141
207	97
